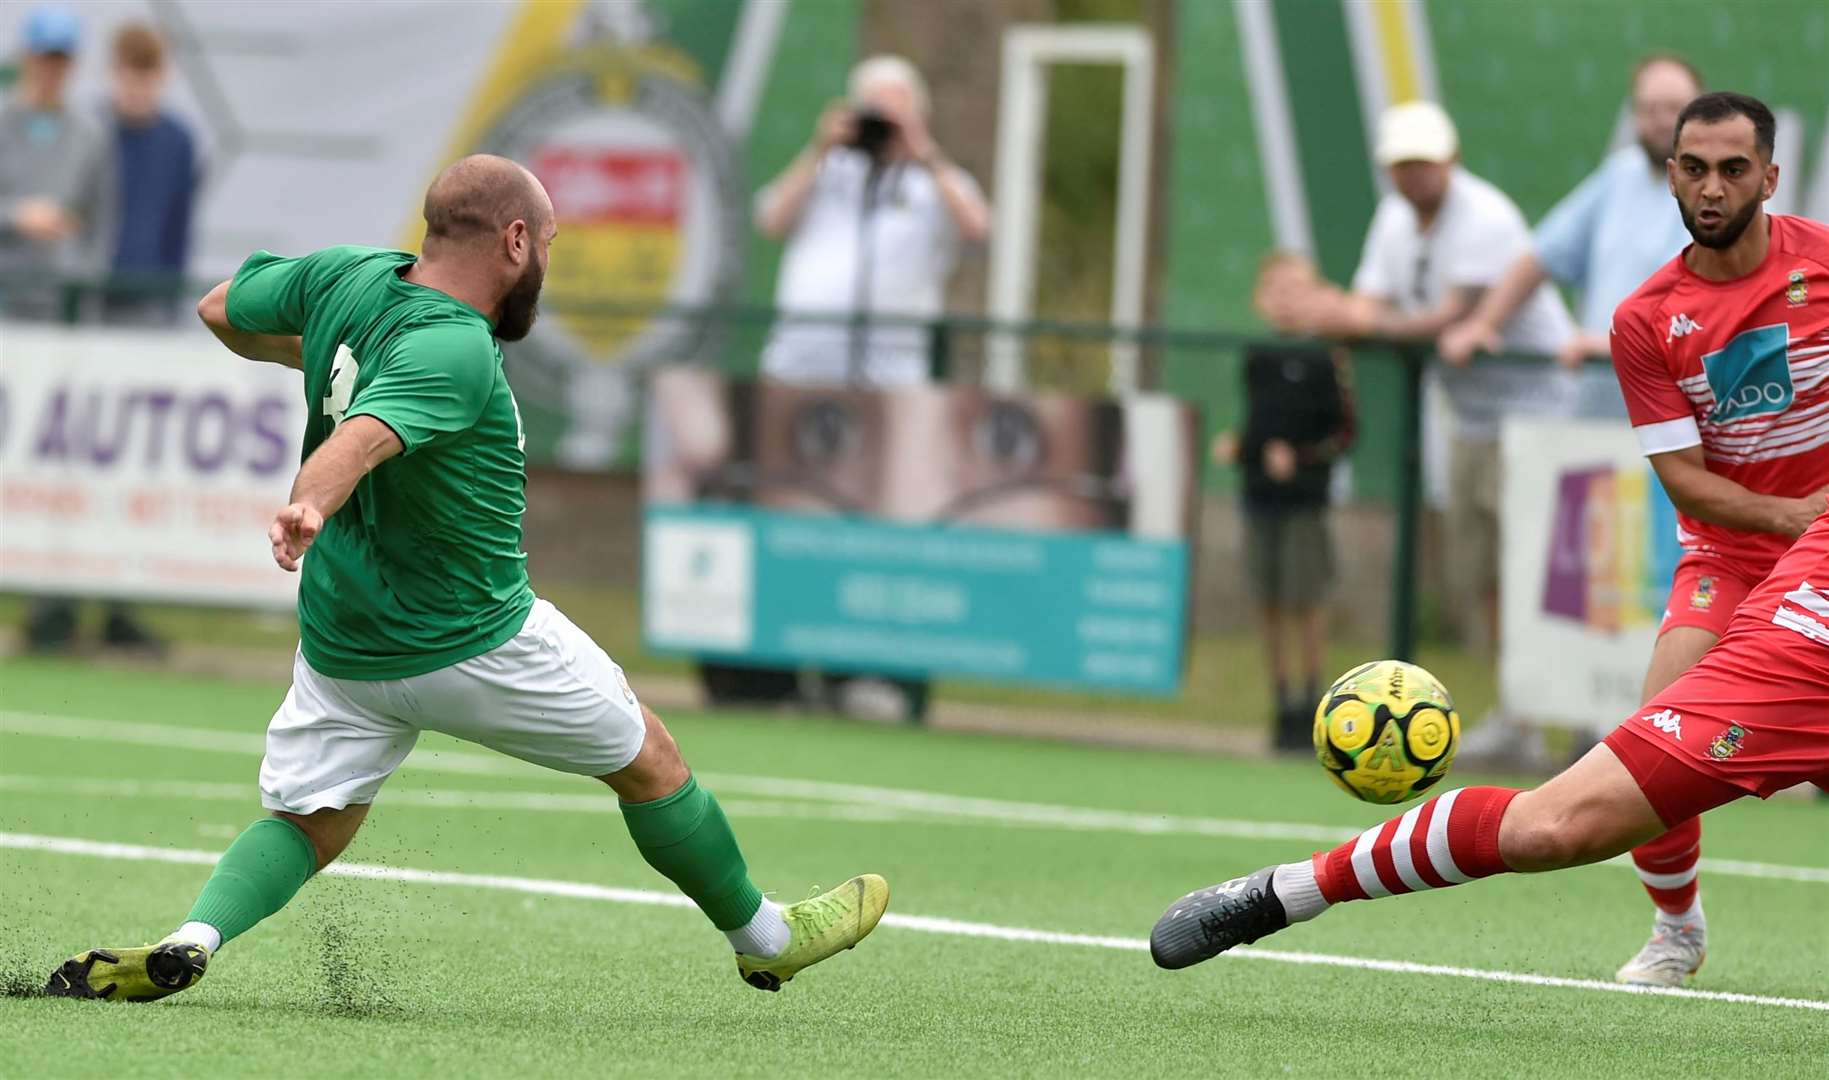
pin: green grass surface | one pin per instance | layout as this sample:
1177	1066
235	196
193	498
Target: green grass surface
366	978
1224	687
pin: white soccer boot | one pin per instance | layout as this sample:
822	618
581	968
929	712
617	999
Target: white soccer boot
1671	956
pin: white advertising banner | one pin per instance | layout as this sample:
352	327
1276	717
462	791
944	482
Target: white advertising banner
322	123
143	466
1589	547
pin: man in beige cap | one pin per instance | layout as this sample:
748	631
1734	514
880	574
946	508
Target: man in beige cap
1439	239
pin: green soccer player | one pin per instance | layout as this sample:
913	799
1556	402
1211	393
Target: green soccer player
414	608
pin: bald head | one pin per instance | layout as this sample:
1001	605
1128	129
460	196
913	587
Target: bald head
478	197
488	228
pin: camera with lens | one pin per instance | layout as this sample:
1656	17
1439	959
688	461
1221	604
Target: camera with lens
871	131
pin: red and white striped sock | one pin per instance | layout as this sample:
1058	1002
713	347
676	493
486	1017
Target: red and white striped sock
1667	866
1450	839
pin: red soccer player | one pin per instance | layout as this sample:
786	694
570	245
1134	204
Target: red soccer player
1724	357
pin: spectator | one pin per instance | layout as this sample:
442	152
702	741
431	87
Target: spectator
57	203
874	214
57	178
153	244
1436	242
1603	239
1299	421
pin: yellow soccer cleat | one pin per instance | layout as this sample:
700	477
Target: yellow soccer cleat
147	973
820	927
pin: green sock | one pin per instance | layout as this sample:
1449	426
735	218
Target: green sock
686	837
260	872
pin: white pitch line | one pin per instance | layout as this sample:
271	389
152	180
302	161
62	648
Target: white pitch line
868	803
62	845
1072	817
448	799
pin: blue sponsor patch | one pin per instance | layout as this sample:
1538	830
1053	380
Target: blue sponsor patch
1752	375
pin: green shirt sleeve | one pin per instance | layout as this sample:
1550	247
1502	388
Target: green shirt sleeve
274	295
433	383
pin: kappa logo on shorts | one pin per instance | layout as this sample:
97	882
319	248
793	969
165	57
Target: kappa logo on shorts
1752	375
1668	721
1703	597
1727	744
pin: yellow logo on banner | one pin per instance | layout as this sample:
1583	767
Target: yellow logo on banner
651	210
639	174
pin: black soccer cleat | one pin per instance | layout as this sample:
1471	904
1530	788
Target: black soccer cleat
1205	923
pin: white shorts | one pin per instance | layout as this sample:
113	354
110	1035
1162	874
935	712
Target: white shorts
547	695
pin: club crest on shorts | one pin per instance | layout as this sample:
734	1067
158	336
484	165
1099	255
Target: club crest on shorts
1727	744
1797	292
1703	596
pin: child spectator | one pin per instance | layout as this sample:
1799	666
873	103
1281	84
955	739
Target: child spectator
1298	422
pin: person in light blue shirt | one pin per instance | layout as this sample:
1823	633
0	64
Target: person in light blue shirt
1608	235
1603	239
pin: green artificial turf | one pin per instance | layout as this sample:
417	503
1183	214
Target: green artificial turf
369	978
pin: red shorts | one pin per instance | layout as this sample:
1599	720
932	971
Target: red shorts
1705	592
1752	717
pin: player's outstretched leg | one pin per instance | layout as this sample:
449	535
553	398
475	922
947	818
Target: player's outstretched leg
682	832
1592	811
258	874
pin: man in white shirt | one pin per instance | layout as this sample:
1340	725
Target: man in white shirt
874	215
1604	238
1437	242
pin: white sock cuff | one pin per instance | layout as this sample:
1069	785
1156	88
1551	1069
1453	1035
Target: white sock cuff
200	933
1297	888
764	935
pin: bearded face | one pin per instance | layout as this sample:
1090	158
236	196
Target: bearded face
1715	226
521	306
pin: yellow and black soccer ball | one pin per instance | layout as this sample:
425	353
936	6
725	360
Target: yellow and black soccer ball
1386	731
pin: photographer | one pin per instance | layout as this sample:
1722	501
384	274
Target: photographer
873	214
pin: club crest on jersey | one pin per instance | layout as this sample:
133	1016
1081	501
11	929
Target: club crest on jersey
1797	292
1752	375
1681	325
1703	597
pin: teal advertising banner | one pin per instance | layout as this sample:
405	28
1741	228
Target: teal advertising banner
1096	609
919	530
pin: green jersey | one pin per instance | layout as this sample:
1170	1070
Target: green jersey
422	567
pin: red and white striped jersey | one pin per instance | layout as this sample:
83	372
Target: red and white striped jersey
1740	368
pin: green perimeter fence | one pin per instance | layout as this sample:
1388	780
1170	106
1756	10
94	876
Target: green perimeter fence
1201	365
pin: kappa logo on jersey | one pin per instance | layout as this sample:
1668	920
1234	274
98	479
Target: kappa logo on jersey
1682	325
1797	292
1727	744
1752	375
1667	721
